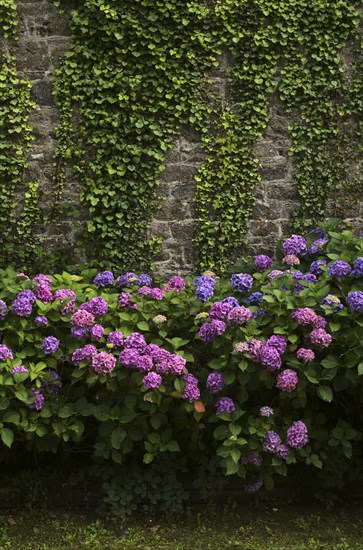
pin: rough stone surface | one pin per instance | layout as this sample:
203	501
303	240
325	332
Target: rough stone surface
44	37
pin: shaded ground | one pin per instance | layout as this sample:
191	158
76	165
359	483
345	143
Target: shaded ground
245	528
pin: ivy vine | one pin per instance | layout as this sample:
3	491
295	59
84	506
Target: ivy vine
19	241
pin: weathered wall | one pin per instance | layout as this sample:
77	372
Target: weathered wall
43	38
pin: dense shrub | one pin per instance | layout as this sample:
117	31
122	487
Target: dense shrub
242	376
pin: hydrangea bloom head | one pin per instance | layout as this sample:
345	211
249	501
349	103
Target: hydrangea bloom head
262	262
175	283
271	442
115	338
191	392
225	404
136	341
306	355
220	310
82	318
315	267
83	354
266	411
37	405
295	245
355	301
215	382
103	363
297	435
21	307
126	279
105	278
144	280
152	380
97	306
278	342
241	282
287	380
291	260
96	332
205	280
358	268
239	315
339	268
50	345
304	315
270	357
332	303
41	321
320	338
204	292
210	331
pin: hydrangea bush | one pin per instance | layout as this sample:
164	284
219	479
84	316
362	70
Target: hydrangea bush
257	371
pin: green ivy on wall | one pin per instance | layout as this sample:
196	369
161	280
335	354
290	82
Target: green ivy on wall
19	241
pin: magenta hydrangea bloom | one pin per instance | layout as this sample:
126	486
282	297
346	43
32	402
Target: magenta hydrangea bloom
190	379
315	267
152	380
263	262
270	357
103	363
297	435
254	349
39	400
239	315
225	404
97	306
135	340
291	260
287	380
124	300
129	357
320	338
50	345
41	321
82	318
143	291
220	310
210	331
42	279
3	310
79	332
43	294
215	382
191	392
177	365
19	368
144	363
282	451
271	442
278	342
83	354
28	295
275	273
96	332
5	353
175	283
319	322
156	294
305	355
115	338
304	316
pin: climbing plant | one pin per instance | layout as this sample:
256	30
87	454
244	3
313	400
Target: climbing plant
18	215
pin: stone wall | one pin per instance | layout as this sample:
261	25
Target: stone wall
43	38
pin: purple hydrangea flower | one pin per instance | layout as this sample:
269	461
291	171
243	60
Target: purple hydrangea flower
255	298
316	247
83	354
270	357
358	268
42	279
305	355
241	282
175	283
220	310
19	368
304	316
177	364
136	341
204	293
96	332
144	363
142	291
271	442
320	338
190	379
105	278
116	338
82	318
39	400
50	344
266	411
209	331
28	295
254	349
239	315
282	452
144	280
63	294
263	262
21	307
240	347
275	273
97	306
44	294
126	279
230	300
79	332
315	267
205	280
319	322
355	301
3	310
103	363
215	382
295	245
297	435
156	294
41	321
332	302
152	380
129	357
225	404
339	268
51	382
278	342
191	392
291	260
5	352
252	458
163	361
124	300
287	380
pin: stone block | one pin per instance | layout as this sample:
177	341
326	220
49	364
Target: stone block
41	92
32	57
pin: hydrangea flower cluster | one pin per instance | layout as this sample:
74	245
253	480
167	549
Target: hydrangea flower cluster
241	282
51	382
263	262
315	267
287	380
3	310
115	339
83	354
253	459
127	279
291	260
67	298
358	268
204	287
254	298
41	321
320	338
103	363
266	411
296	244
175	283
22	306
38	403
332	303
50	345
5	352
225	404
144	280
270	357
304	316
305	355
209	331
152	380
339	268
272	443
19	368
297	435
105	278
97	306
355	301
220	310
215	382
124	300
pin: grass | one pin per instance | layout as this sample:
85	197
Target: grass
263	528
